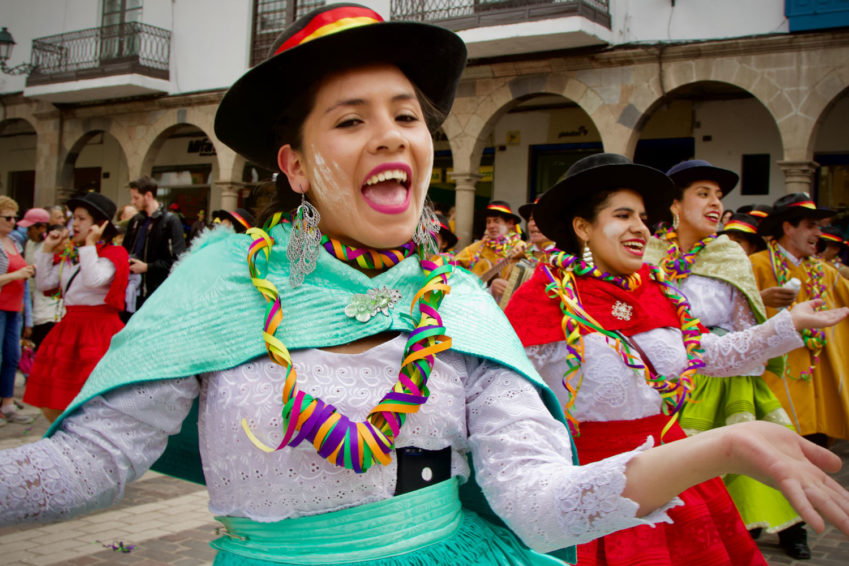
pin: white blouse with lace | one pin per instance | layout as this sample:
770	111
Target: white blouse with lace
90	287
521	454
610	391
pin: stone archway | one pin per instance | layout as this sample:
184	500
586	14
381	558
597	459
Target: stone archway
830	152
18	145
95	161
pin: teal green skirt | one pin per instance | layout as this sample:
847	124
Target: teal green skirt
720	401
424	527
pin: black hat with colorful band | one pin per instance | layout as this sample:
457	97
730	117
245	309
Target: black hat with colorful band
502	209
265	108
527	209
791	207
445	232
832	235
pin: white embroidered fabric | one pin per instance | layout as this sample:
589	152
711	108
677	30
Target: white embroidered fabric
96	274
717	303
610	391
523	456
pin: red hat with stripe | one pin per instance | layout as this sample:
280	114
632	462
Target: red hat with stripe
266	107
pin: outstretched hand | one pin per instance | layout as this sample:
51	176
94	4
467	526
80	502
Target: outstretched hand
805	315
777	456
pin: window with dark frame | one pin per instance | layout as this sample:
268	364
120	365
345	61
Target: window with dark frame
270	18
754	179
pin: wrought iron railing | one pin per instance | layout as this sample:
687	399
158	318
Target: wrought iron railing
464	14
122	48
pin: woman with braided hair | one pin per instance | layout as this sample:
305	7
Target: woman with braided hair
342	382
617	343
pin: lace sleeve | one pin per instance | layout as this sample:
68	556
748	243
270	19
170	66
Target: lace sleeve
112	440
523	461
742	316
737	353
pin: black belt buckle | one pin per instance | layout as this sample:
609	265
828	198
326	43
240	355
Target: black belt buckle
418	468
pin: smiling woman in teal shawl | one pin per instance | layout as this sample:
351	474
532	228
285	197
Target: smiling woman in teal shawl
333	389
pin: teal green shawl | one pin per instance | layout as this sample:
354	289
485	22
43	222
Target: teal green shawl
207	316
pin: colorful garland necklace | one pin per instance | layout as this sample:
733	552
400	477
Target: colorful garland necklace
674	391
500	245
814	338
677	265
346	443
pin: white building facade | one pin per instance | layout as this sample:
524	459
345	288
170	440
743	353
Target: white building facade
126	88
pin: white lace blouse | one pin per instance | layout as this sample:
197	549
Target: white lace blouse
90	287
521	454
610	391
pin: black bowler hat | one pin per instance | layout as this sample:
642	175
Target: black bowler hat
445	232
832	235
241	218
501	209
790	207
527	209
745	225
264	109
100	207
688	172
598	172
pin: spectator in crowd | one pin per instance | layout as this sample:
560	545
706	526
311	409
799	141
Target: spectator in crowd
92	276
829	247
58	216
14	271
154	240
47	307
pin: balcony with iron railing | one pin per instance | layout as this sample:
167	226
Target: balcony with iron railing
133	50
493	28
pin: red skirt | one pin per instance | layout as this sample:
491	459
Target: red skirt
69	353
707	530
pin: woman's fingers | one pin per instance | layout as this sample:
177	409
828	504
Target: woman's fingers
799	499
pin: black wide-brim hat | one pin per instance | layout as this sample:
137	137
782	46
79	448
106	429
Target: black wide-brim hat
790	207
445	232
100	207
833	235
241	219
745	225
263	109
688	172
503	210
598	172
527	209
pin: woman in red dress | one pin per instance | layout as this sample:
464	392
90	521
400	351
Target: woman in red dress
91	275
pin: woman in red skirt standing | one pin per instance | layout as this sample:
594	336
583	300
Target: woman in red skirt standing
91	275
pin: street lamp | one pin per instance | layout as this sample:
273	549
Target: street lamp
6	45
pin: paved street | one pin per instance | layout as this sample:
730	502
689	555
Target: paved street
167	523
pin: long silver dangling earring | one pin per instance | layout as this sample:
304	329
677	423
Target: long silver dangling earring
675	221
588	256
425	234
304	242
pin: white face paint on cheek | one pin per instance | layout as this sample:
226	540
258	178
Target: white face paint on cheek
611	231
326	183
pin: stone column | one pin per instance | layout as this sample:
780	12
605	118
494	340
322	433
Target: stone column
229	195
464	203
798	175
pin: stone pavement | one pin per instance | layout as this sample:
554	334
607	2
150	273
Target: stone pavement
167	523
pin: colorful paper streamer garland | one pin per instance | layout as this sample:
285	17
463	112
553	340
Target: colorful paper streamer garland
674	391
814	338
355	445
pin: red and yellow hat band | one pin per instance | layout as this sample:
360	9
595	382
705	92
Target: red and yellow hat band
832	238
740	226
240	220
329	22
805	204
757	213
499	208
